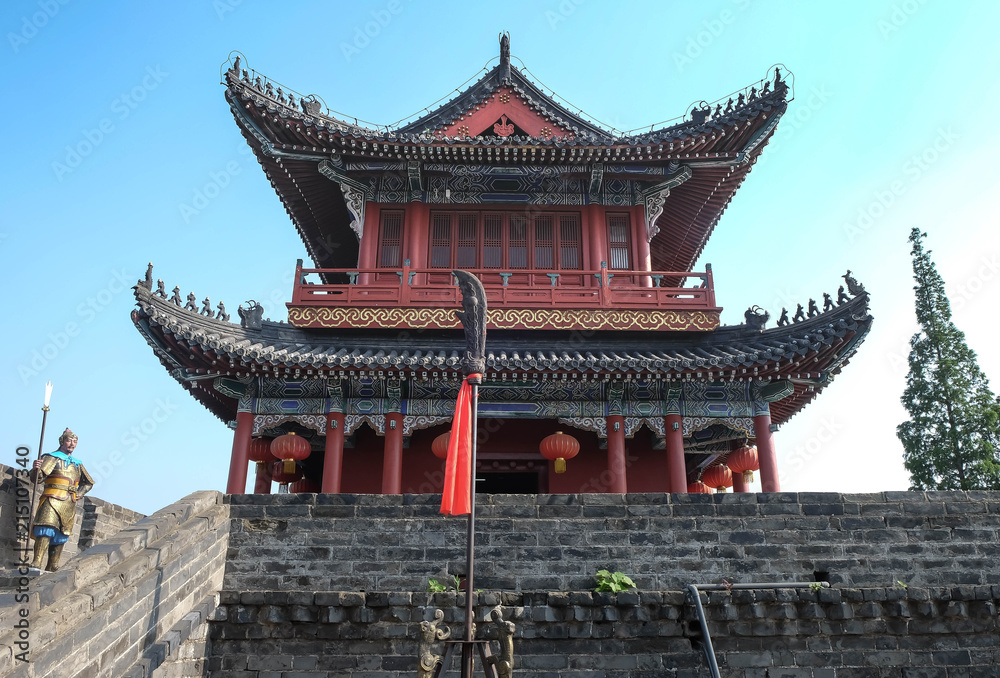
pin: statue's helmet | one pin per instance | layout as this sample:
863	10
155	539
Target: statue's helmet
68	435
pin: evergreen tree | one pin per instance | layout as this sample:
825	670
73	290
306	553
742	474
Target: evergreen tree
950	441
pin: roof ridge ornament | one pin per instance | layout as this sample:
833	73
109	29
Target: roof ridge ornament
504	57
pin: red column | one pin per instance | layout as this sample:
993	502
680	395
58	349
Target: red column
765	453
597	232
676	468
739	485
333	453
616	454
641	244
392	465
416	234
368	247
241	454
262	480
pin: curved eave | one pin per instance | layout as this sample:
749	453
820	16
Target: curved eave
195	348
314	204
289	145
293	128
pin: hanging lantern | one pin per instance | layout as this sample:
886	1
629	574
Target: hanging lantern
745	461
290	448
440	445
280	475
260	451
698	487
304	486
718	476
559	447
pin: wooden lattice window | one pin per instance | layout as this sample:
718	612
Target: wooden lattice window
517	252
619	249
493	240
468	241
390	245
506	240
569	241
441	241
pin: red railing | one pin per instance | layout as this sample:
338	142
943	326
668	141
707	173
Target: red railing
515	288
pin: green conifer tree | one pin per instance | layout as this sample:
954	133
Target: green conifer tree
950	440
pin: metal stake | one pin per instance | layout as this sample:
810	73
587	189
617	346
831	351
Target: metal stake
41	443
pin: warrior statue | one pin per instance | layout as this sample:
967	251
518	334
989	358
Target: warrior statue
65	480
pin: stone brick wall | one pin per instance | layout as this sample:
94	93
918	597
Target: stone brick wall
96	520
118	608
321	542
102	520
912	632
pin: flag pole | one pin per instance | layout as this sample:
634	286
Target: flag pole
470	545
473	319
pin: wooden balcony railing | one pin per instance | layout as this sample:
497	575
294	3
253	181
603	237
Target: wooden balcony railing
515	288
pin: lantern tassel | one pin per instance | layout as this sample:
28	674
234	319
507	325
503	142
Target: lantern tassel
289	465
748	477
560	465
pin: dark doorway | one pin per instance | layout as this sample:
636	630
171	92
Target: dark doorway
518	482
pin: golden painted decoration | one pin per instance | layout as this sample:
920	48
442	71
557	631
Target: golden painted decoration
506	318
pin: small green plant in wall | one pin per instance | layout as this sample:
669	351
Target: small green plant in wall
434	586
613	582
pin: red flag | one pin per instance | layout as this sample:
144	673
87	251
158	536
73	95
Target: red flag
457	497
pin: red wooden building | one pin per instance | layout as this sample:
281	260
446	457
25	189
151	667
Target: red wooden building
586	240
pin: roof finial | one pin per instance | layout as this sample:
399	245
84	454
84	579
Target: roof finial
504	56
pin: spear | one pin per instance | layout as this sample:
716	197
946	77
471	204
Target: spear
41	443
460	472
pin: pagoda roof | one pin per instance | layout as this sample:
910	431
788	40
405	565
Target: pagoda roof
195	349
709	151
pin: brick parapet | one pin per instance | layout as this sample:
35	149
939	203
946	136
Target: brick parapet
862	632
558	542
105	611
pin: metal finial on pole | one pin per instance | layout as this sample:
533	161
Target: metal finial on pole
41	443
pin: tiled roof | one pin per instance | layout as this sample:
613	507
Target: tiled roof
809	353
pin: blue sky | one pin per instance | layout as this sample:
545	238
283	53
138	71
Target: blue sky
114	123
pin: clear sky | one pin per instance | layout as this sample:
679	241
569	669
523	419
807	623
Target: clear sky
114	123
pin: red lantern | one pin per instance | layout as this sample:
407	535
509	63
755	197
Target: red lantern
745	461
718	476
559	447
440	445
304	486
290	448
698	487
283	477
260	451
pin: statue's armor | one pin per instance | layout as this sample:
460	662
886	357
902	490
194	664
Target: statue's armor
64	484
